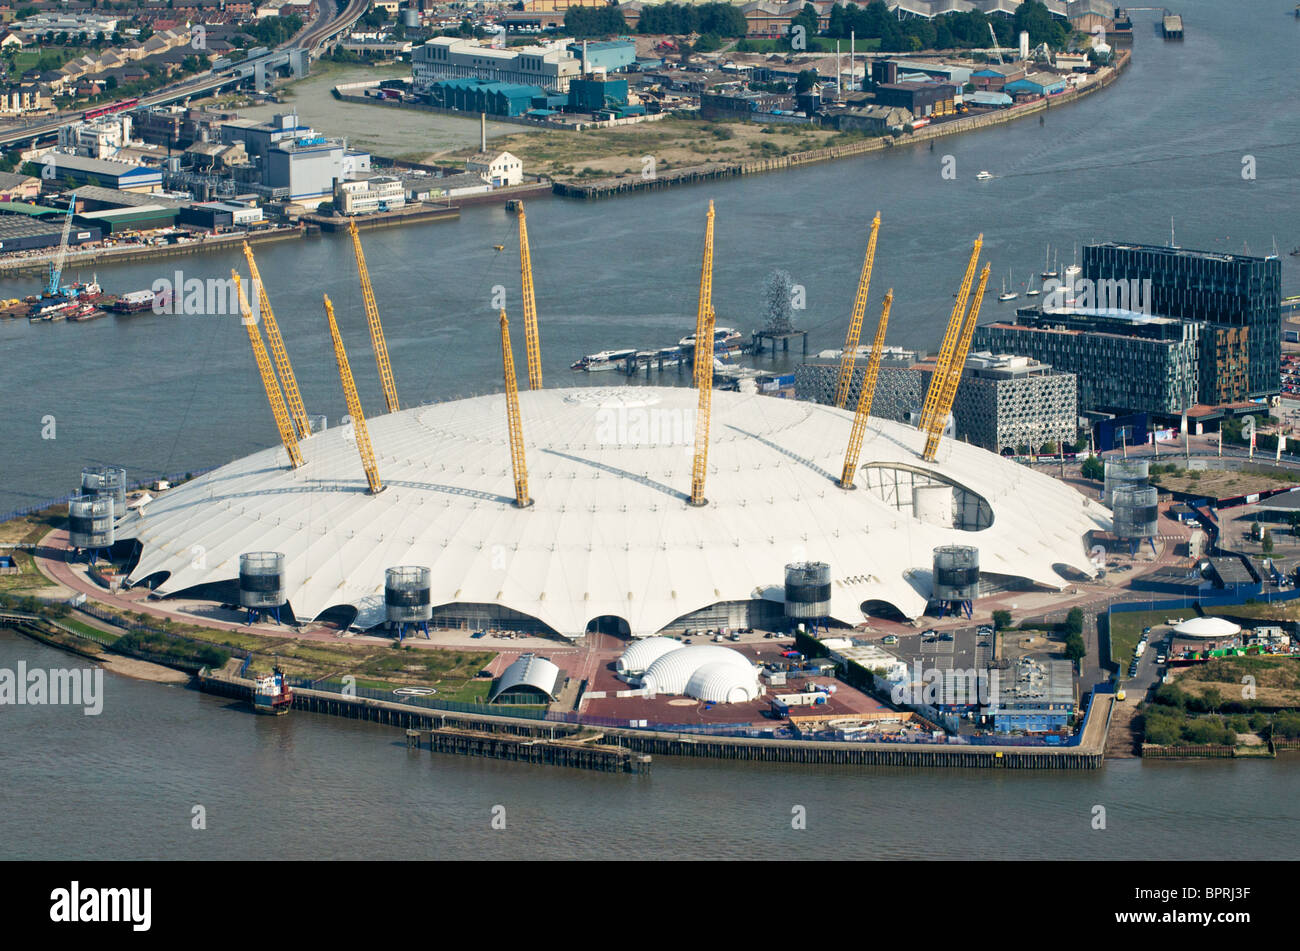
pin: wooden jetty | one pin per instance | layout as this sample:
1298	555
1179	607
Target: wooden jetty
585	753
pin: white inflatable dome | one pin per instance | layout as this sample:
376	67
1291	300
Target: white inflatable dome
1207	627
721	682
643	653
673	672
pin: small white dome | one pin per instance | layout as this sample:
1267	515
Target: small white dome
643	653
722	682
1207	627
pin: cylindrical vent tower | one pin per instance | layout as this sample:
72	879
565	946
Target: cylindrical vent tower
1124	472
105	481
808	590
317	423
261	580
1135	512
406	595
956	573
90	522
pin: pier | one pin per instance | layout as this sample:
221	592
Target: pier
782	338
563	743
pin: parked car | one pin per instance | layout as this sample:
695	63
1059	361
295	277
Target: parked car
889	639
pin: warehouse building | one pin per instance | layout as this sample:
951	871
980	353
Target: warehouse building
921	99
1035	84
1035	696
492	98
27	233
219	215
79	170
609	55
448	57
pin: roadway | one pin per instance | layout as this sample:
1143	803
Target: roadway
314	38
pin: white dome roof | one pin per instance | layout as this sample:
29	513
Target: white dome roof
1207	627
609	533
673	671
644	653
722	682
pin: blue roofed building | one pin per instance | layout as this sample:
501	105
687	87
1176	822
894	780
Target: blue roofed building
609	55
988	99
1036	84
493	98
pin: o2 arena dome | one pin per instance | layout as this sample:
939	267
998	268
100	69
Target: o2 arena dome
609	538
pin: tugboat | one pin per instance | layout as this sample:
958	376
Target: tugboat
271	695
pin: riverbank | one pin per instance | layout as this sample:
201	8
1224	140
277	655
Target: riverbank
693	174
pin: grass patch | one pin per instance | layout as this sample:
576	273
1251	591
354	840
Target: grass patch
28	577
29	529
1126	630
81	627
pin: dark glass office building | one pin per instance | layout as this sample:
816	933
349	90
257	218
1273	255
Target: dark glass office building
1227	291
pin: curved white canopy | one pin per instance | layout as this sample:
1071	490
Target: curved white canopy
609	533
1207	627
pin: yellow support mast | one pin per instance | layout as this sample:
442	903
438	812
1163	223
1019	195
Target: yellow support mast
517	460
372	318
949	340
859	430
354	404
294	399
272	386
703	358
850	351
532	342
955	368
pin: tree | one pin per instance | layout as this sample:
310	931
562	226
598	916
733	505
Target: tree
1074	622
583	22
1266	544
1001	620
1075	649
1093	468
806	80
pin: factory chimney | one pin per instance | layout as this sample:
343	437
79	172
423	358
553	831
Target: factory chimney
482	131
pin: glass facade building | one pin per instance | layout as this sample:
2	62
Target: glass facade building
1230	292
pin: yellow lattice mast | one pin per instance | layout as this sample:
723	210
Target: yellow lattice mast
850	351
360	430
517	461
955	368
372	318
949	340
292	397
859	430
273	394
703	366
532	342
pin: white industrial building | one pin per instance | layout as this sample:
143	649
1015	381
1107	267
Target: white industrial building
499	168
100	138
449	57
610	540
368	195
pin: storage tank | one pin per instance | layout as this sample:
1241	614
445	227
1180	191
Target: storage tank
808	590
1024	45
262	583
90	523
956	576
1136	514
317	423
1124	472
932	504
105	480
407	598
410	18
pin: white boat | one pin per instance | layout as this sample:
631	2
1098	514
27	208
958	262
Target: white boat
1007	295
984	176
1033	291
1048	270
605	360
724	338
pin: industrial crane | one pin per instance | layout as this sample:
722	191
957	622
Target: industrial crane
703	367
850	351
531	341
949	340
996	49
517	461
372	317
859	430
282	365
272	386
955	367
56	266
354	404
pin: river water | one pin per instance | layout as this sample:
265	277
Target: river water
167	394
